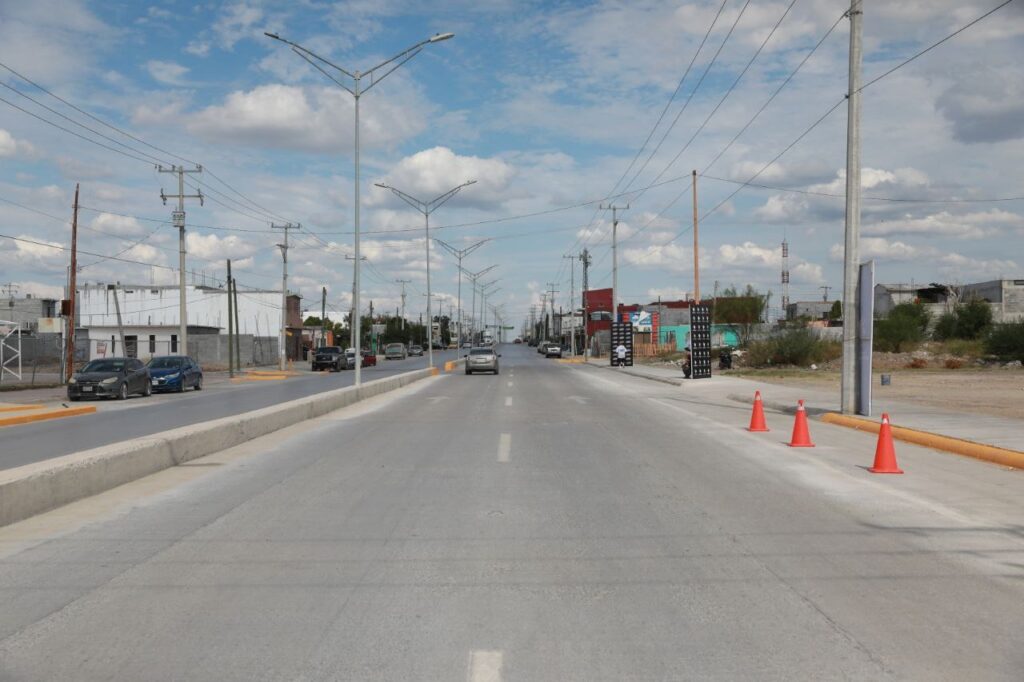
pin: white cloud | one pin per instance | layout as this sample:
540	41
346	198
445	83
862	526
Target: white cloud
40	290
668	294
239	20
944	224
749	254
34	254
198	48
880	248
120	226
429	173
10	147
168	73
217	248
313	119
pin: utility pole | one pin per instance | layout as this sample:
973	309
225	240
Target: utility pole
117	309
586	260
323	316
403	282
459	255
233	301
178	218
615	256
572	302
551	299
69	362
851	255
824	297
282	351
231	328
696	246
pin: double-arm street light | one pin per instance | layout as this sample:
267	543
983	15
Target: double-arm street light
356	89
426	208
459	255
474	277
485	291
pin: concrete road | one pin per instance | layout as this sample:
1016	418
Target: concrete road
140	416
554	522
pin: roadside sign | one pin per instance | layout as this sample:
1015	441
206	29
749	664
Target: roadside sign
700	342
379	328
622	336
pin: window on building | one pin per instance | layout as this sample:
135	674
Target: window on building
152	344
174	343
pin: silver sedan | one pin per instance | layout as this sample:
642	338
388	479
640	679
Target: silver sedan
482	360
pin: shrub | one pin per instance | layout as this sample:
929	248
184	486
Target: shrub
963	348
945	327
917	363
954	363
1006	341
799	347
973	319
903	330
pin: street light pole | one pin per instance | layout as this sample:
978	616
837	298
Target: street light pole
460	254
426	208
356	90
474	277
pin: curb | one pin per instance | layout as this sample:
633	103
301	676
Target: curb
957	446
20	408
450	365
41	486
649	377
16	419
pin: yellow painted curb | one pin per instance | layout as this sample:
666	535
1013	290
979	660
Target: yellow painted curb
958	446
20	408
449	366
16	419
434	371
270	373
572	361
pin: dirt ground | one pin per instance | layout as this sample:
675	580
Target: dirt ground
997	392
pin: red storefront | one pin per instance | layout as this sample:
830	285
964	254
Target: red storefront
597	309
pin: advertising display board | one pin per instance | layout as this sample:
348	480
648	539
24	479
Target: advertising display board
700	341
622	336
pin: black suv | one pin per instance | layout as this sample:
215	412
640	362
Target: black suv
328	357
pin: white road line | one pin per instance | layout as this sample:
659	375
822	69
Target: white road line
485	666
510	384
504	447
508	401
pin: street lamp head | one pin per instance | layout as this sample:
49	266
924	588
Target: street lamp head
272	35
438	37
381	185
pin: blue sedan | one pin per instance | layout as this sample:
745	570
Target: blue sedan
175	373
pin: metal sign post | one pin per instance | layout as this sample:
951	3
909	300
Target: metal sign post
10	349
865	330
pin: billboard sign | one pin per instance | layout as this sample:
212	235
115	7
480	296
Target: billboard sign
642	321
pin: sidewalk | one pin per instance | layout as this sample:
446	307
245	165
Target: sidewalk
989	430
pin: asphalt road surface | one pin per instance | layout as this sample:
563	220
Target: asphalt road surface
554	522
139	416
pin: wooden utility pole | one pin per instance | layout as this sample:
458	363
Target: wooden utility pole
233	300
696	245
69	363
323	316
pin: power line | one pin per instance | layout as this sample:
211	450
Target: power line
794	190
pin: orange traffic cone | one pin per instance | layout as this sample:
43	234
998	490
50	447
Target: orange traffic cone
885	453
801	434
757	422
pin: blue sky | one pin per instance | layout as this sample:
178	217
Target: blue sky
545	105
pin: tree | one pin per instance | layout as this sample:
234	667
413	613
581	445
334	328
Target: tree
973	318
836	313
905	327
741	312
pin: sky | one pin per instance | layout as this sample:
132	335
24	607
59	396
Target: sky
555	109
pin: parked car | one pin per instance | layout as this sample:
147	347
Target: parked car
482	359
395	351
552	350
110	378
174	373
517	340
369	359
328	357
533	343
416	350
542	347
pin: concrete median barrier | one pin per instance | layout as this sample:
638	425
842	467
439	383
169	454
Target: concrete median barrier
35	488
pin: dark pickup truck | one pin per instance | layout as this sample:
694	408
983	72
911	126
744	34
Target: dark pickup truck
328	357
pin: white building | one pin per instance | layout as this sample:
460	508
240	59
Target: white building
150	319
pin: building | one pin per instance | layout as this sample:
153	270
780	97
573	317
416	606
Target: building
27	311
1005	296
148	318
815	310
